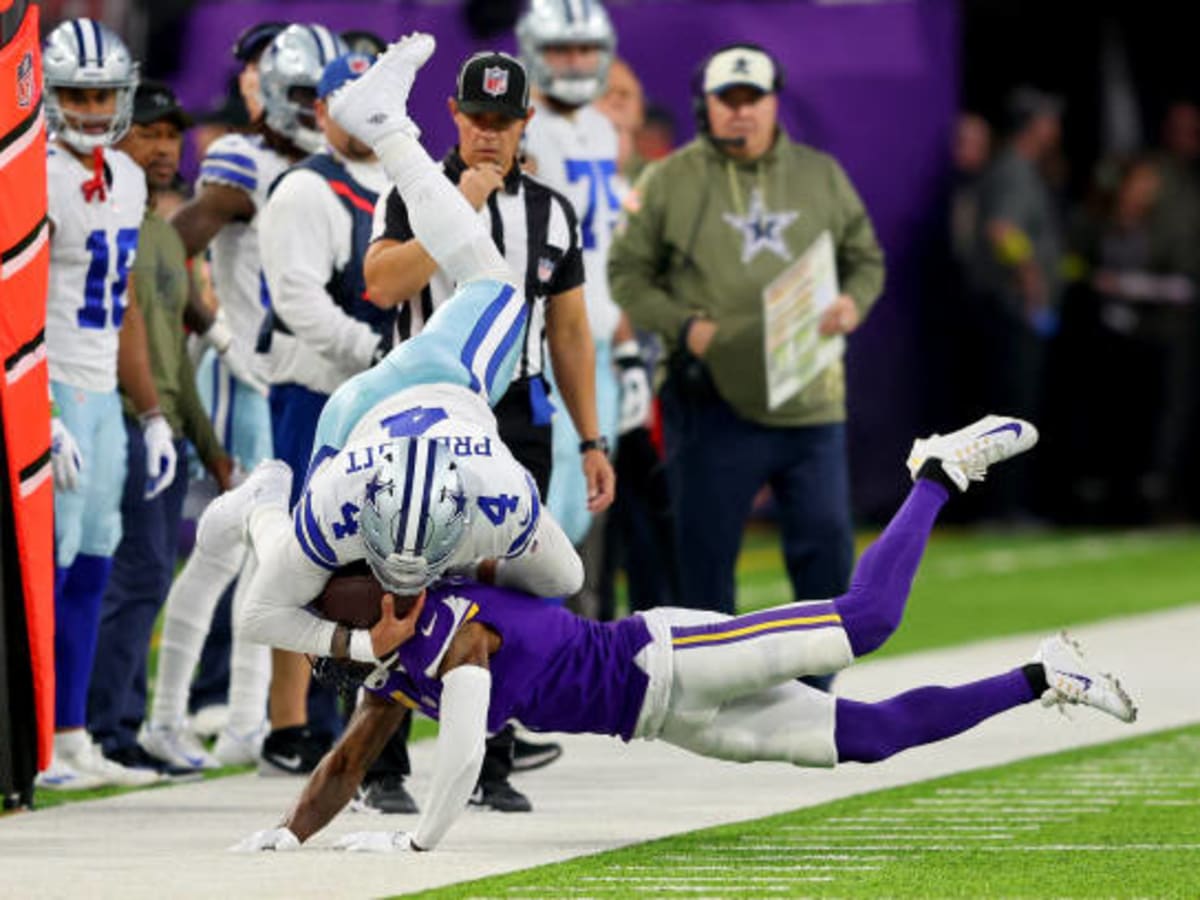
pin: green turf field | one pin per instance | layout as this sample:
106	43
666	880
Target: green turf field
1118	820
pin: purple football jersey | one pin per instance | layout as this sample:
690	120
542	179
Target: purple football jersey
554	671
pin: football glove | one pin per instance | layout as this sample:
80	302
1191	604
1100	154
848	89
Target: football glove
635	386
160	454
376	842
268	839
220	337
65	458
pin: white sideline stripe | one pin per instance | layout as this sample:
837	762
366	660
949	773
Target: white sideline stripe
1008	562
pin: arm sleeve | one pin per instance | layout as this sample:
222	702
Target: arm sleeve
197	427
391	219
298	263
462	727
284	581
230	162
859	256
569	272
637	260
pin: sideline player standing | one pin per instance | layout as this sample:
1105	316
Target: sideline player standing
95	338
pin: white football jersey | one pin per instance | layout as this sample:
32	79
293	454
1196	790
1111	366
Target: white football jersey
577	156
244	162
91	256
504	506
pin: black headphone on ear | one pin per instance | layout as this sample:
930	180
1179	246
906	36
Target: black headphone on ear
699	107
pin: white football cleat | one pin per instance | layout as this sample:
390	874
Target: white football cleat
222	526
1073	681
90	760
62	776
176	745
967	453
234	748
375	105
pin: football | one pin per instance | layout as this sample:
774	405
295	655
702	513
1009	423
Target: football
351	598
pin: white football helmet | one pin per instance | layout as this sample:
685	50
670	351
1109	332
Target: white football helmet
291	65
82	53
549	23
414	515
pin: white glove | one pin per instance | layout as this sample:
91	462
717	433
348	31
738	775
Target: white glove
635	386
220	337
375	842
65	458
160	454
268	839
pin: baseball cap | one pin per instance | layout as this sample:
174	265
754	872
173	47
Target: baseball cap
736	66
154	101
340	70
254	38
493	82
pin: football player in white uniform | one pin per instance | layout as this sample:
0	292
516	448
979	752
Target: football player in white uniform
567	46
95	338
417	425
235	177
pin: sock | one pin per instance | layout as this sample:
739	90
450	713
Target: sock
77	623
1035	674
870	732
249	665
442	220
871	610
932	470
186	621
70	743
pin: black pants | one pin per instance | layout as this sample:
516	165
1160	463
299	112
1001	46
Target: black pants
531	445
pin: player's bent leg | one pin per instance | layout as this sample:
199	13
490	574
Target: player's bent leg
789	722
871	609
549	567
186	619
715	659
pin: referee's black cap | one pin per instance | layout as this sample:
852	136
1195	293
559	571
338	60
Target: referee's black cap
250	44
493	82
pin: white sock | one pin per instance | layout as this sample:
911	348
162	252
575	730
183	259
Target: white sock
249	665
442	220
189	611
70	743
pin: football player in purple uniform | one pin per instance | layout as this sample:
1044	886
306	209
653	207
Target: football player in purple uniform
476	657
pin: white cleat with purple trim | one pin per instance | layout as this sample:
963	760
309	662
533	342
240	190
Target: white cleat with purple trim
967	453
1072	680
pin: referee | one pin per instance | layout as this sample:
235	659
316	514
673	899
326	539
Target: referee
536	230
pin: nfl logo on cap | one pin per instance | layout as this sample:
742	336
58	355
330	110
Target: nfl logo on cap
495	81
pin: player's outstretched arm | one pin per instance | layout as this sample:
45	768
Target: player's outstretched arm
466	692
335	779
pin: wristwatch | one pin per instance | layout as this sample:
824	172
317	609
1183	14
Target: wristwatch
596	443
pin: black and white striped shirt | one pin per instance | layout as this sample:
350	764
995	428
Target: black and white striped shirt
535	229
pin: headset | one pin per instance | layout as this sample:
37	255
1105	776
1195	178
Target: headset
699	107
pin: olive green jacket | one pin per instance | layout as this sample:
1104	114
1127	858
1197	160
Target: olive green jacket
702	234
161	277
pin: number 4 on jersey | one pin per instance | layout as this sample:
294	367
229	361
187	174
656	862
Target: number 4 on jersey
498	507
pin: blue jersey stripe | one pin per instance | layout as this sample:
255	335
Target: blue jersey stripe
224	174
479	332
535	513
313	529
303	542
497	359
238	159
